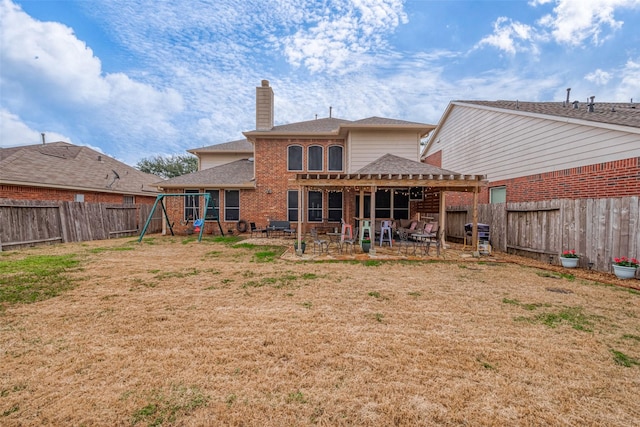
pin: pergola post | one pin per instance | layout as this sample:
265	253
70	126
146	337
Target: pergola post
301	191
443	219
373	220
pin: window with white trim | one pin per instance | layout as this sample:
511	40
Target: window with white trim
292	205
213	210
383	203
314	210
231	205
335	158
334	204
191	205
314	158
401	203
294	158
498	195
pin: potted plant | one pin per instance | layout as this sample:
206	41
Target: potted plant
303	245
366	245
569	259
625	268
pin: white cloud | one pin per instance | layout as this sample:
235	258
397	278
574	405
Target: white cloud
574	21
510	36
630	83
342	39
598	77
15	132
49	73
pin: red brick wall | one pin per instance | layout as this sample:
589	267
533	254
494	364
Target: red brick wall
271	174
17	192
434	159
601	180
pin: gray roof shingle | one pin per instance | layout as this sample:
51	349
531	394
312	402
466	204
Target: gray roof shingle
624	114
240	145
60	164
391	164
233	174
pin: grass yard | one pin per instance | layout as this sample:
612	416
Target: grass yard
175	332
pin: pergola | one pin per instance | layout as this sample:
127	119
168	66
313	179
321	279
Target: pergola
392	172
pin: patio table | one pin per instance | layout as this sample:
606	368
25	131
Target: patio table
334	239
424	241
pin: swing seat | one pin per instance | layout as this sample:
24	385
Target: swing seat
198	222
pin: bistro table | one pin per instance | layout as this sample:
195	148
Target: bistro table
334	239
423	240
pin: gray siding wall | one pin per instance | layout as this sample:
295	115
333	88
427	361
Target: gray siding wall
503	145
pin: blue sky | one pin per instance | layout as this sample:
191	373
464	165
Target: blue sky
139	78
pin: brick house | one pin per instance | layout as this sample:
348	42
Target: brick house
533	151
327	169
60	171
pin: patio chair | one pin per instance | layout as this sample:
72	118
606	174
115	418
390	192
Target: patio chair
263	232
433	239
322	244
351	242
404	242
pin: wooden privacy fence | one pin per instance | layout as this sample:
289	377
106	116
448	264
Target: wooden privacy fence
598	229
26	222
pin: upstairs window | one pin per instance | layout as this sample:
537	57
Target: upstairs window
335	158
315	154
294	158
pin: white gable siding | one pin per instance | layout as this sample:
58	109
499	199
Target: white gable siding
502	145
365	147
210	160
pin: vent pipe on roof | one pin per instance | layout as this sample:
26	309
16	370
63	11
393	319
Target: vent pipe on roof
576	104
568	93
591	104
330	110
43	141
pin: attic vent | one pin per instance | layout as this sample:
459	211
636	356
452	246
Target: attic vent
576	105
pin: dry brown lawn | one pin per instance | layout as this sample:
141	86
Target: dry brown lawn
202	334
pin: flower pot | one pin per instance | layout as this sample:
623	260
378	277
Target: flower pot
366	247
303	246
569	262
623	272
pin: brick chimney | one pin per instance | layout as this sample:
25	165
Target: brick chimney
264	106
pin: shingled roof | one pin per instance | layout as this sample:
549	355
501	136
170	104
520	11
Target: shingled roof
624	114
334	127
64	165
238	174
238	146
391	164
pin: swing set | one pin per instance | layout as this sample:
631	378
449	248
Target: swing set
198	223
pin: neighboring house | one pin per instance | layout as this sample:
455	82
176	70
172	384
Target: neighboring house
60	171
533	151
325	169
